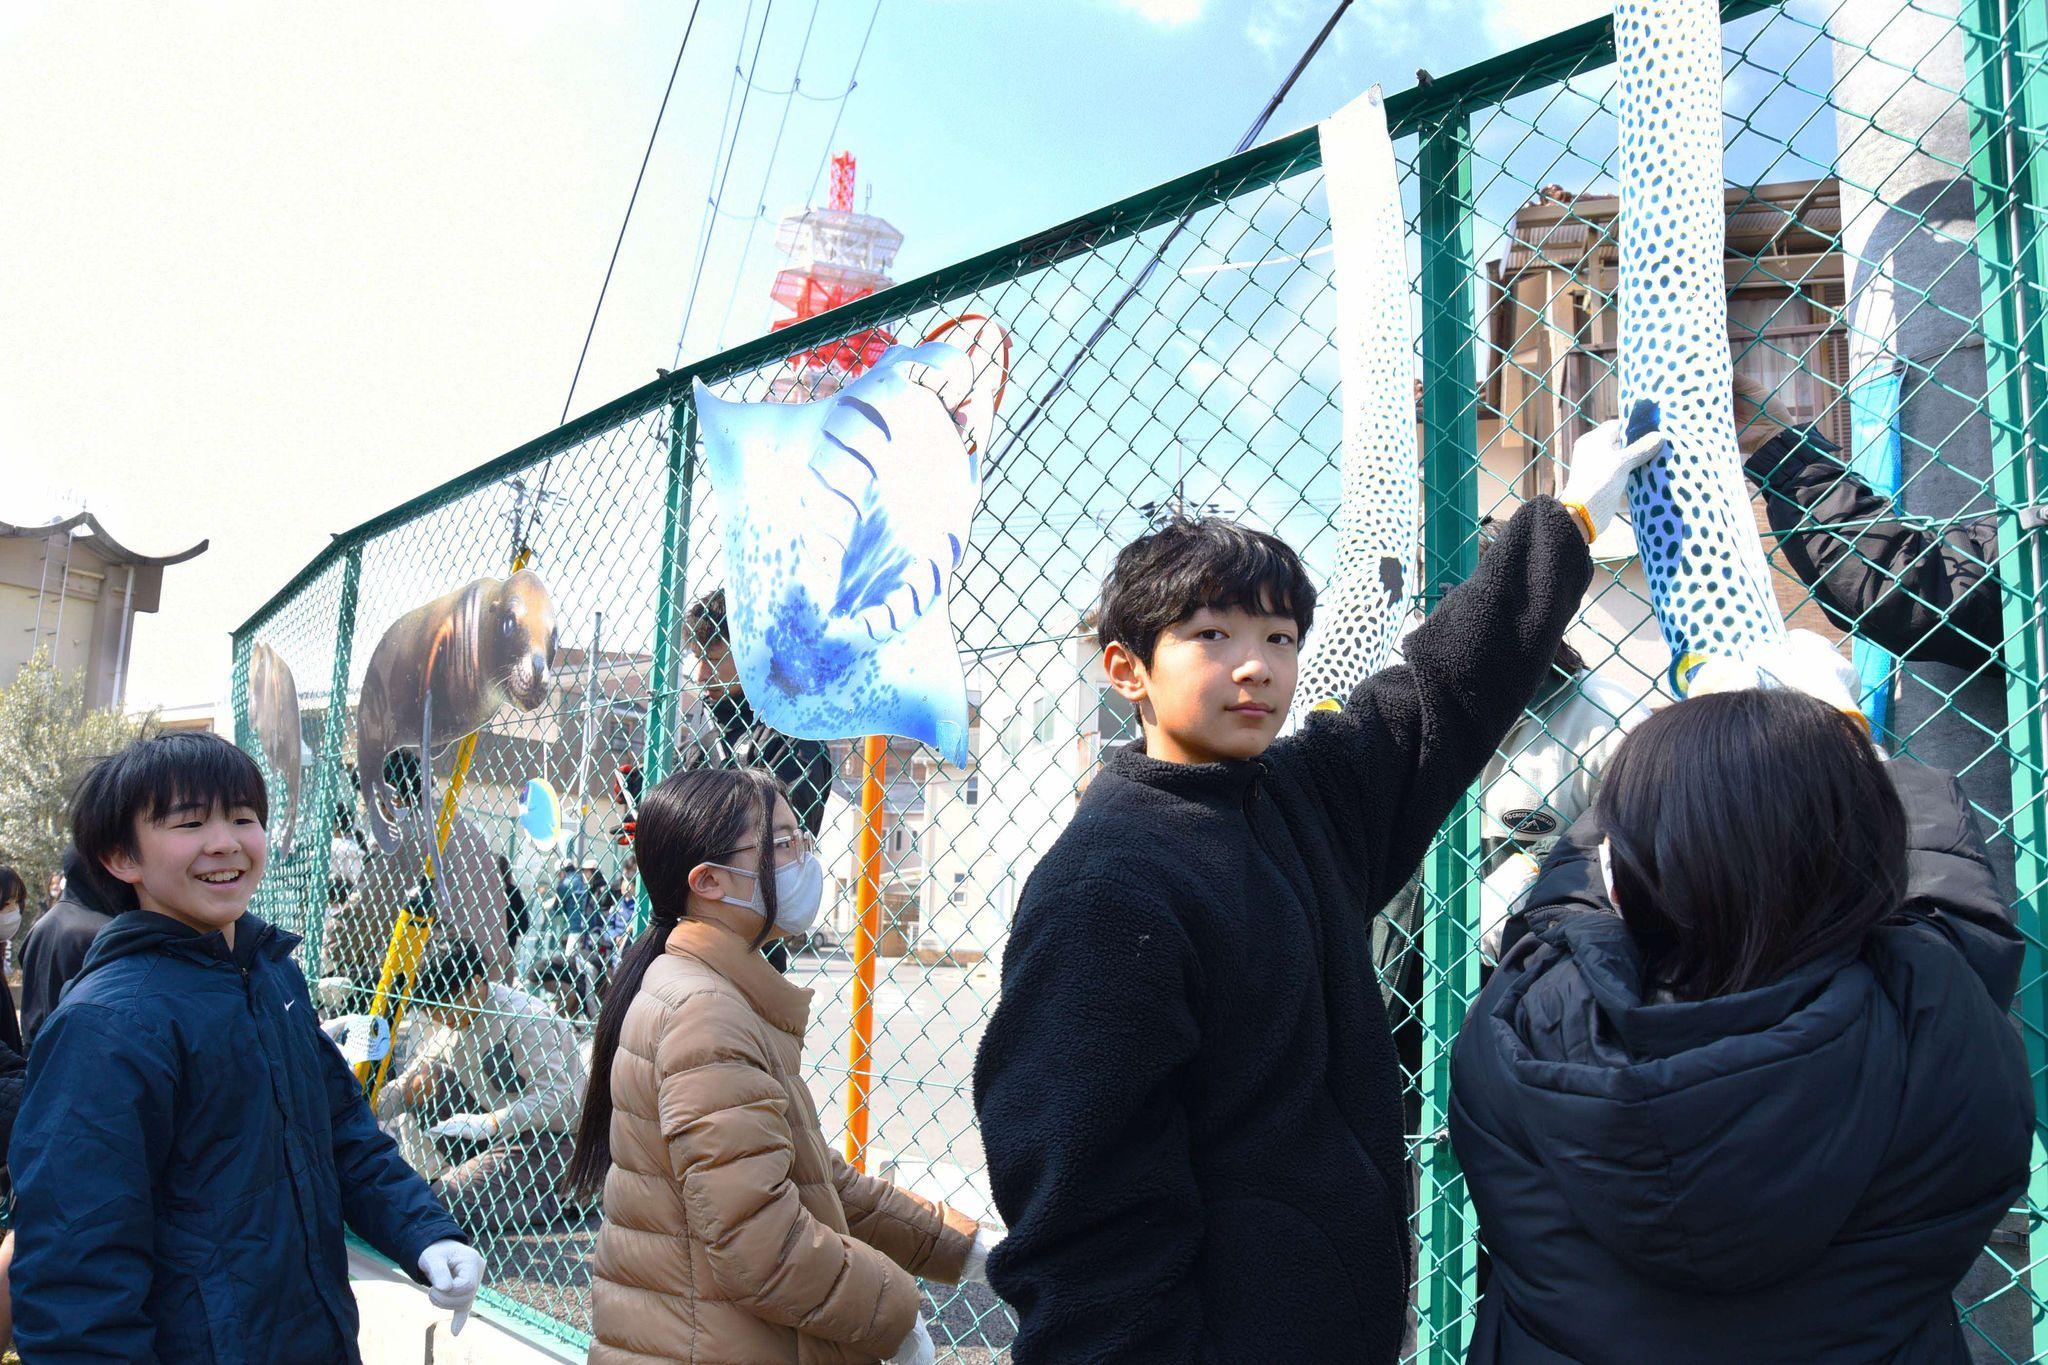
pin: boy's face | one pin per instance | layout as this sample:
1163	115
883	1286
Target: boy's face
718	672
199	866
1218	686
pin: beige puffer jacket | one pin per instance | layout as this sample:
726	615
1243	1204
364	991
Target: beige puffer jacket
733	1234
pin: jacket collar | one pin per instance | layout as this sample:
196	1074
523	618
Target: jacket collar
1611	966
732	957
144	931
1227	780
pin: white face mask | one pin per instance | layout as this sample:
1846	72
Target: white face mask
799	893
1607	872
10	922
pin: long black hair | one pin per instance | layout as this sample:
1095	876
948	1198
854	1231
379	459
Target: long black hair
1751	833
687	820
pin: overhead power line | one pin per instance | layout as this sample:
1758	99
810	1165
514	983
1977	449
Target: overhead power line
1066	375
768	172
852	83
631	200
722	174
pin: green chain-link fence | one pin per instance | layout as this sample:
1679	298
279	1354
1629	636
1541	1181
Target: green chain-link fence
1174	350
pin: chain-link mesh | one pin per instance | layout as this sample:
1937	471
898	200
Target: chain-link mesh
1173	353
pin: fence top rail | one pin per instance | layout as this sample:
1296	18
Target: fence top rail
1427	103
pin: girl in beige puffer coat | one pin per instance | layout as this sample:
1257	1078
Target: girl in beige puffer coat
733	1233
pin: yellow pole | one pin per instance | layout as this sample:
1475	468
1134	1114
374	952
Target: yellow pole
866	936
415	925
409	936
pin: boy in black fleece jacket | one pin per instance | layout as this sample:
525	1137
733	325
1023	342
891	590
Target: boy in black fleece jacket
1188	1095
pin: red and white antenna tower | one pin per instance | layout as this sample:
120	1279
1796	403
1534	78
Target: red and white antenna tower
835	256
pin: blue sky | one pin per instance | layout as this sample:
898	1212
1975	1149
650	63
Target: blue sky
279	267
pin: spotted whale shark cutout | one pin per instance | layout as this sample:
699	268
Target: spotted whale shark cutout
1694	527
844	521
1376	518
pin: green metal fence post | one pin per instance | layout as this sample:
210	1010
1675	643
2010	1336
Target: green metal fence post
327	793
238	691
671	590
1450	453
2008	47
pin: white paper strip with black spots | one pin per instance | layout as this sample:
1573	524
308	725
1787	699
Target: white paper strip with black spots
1691	511
1361	610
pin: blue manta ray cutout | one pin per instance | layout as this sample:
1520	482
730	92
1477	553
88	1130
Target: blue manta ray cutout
844	521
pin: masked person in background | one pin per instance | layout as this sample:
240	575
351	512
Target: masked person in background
495	1091
732	1229
13	902
13	1068
742	739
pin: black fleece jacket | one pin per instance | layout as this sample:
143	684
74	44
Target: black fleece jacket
1921	595
1188	1095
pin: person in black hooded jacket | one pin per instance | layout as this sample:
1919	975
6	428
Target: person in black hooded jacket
1927	593
1770	1108
56	946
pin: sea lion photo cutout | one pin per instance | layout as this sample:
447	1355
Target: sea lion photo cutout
844	521
439	674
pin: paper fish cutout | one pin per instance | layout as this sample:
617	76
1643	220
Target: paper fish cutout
844	521
440	672
274	717
540	813
1694	526
1368	595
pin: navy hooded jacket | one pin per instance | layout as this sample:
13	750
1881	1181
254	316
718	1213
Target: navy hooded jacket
187	1153
1800	1172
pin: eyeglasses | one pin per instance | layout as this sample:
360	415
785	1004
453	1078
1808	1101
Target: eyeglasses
788	847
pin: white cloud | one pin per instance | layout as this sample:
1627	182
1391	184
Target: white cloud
1513	22
1165	13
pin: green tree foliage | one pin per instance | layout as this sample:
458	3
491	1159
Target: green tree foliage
47	740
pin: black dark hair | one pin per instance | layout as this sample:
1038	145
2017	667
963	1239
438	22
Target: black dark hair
402	774
12	887
450	970
153	777
690	818
1752	833
706	621
1163	578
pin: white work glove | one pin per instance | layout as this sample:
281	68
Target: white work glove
331	992
454	1273
1602	460
976	1271
467	1127
917	1348
361	1037
1803	662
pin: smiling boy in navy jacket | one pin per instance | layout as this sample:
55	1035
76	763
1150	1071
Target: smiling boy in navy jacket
191	1144
1188	1093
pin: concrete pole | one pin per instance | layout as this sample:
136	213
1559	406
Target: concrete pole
1908	219
1902	127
